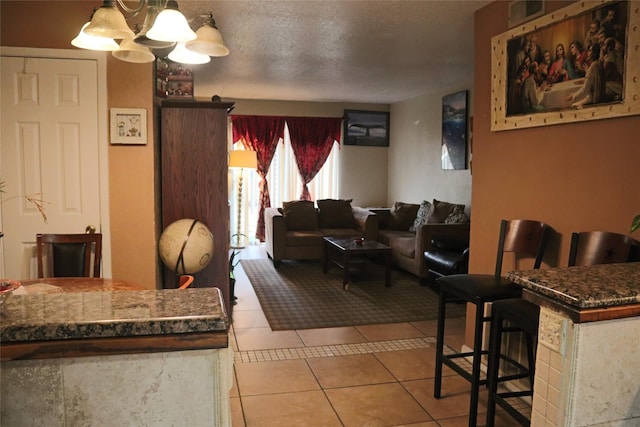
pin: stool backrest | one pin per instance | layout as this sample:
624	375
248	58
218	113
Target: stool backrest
523	237
599	247
69	255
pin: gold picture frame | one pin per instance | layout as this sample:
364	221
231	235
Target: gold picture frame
565	24
128	126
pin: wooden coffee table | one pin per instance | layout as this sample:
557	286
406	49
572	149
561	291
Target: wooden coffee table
346	252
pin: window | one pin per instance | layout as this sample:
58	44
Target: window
284	184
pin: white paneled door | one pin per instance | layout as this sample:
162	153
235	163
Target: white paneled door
48	145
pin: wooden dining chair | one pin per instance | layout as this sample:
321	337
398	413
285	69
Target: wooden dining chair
599	247
185	281
69	255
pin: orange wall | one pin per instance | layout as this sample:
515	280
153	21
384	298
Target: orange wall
575	177
131	168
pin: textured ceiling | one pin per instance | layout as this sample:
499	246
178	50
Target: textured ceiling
348	51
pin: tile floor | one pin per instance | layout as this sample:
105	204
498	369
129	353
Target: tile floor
371	375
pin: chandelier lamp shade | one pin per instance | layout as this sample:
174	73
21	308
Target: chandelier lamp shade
209	41
87	41
185	56
164	28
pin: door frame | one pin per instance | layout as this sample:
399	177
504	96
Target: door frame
103	146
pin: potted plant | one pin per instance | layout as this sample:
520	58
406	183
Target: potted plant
635	224
35	199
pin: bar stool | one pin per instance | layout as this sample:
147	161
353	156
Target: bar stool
521	316
587	248
522	237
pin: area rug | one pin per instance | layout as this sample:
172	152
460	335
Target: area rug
298	295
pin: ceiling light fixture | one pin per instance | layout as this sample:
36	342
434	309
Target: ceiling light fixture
164	26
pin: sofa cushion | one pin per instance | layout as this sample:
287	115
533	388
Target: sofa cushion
340	232
402	215
440	211
304	238
457	216
403	245
421	216
335	213
385	236
300	215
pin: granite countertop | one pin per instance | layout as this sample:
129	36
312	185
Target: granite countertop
598	286
84	315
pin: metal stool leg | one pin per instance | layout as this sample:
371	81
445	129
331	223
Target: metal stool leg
442	303
477	359
495	341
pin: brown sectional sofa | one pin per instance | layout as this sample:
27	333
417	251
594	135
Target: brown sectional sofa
409	230
296	231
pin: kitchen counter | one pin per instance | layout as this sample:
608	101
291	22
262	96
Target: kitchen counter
587	344
584	294
150	357
86	315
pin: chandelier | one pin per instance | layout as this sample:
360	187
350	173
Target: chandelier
165	30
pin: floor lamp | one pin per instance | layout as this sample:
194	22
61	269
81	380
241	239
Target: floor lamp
241	159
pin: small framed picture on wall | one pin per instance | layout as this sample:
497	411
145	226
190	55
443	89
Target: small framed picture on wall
366	128
129	126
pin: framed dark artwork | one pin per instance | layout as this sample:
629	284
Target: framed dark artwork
173	80
366	128
454	131
575	64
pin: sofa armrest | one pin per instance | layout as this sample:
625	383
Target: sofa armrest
366	222
275	231
427	233
450	243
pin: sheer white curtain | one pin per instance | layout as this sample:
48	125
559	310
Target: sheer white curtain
285	184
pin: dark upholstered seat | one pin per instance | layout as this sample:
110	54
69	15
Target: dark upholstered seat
522	237
69	255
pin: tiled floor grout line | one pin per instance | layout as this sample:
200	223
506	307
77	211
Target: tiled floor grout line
293	353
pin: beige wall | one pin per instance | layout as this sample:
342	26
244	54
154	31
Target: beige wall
415	167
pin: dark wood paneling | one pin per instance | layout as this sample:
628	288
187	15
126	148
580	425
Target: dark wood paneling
194	180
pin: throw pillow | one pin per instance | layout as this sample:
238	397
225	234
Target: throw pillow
440	211
335	213
402	215
300	215
457	216
421	216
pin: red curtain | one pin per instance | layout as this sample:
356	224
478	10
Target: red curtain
260	134
312	139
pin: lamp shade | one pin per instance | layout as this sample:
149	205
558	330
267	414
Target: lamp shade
245	159
184	56
149	20
131	51
171	26
87	41
108	21
209	41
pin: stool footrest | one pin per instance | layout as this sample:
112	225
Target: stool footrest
517	415
447	359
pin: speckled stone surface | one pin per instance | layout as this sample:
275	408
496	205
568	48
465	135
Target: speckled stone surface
597	286
59	316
